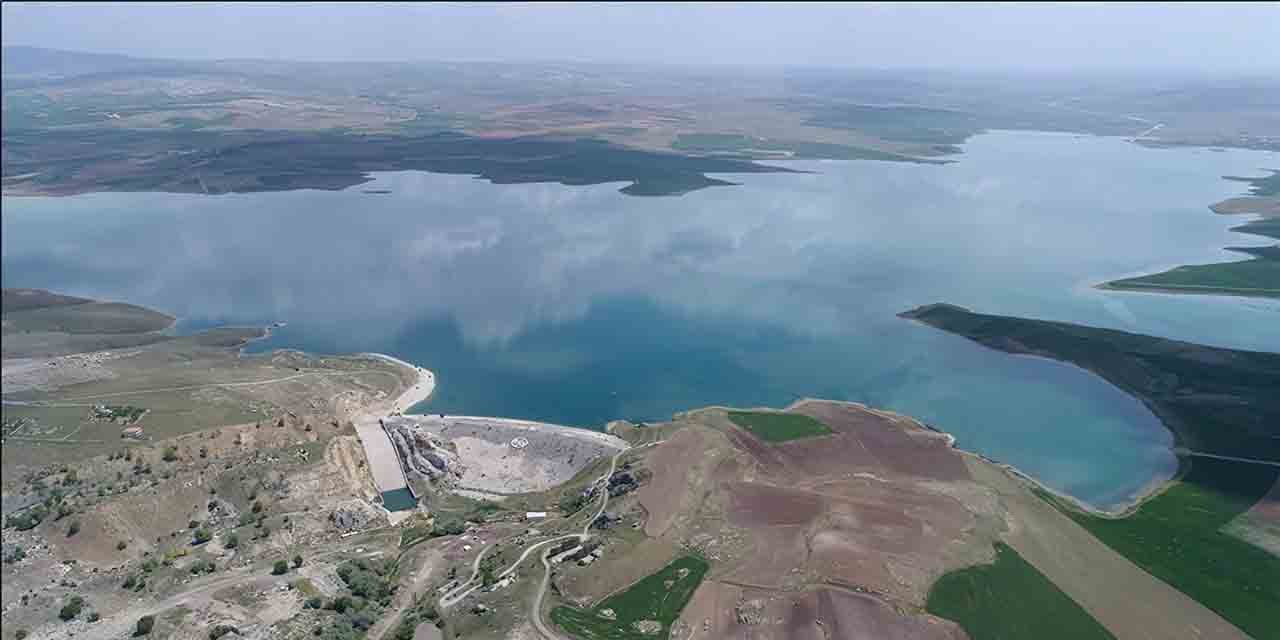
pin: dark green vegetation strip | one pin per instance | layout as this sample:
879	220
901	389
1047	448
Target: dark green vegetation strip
748	146
1177	537
1269	227
1219	401
648	599
778	427
1268	185
1010	600
948	127
1257	277
90	317
241	162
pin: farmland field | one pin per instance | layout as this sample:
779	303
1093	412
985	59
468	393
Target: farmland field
778	427
1177	537
1010	599
659	597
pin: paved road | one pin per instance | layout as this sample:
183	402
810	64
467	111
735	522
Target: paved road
1187	452
465	589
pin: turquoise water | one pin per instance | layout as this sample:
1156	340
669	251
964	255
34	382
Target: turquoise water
398	500
580	305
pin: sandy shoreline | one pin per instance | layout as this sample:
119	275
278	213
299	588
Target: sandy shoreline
420	391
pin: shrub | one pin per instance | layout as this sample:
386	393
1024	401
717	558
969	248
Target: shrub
448	528
203	566
202	536
221	630
170	454
71	608
369	580
122	545
145	625
280	568
93	616
14	553
231	540
74	528
20	634
29	518
297	561
314	602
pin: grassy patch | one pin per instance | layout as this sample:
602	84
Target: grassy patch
1219	401
750	146
1260	276
778	427
659	597
1178	537
1010	599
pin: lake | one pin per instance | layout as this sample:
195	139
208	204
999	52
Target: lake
579	305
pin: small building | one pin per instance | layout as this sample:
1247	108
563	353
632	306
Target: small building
535	515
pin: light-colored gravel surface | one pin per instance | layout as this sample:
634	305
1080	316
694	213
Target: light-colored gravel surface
542	456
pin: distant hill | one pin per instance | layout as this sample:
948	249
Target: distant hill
39	63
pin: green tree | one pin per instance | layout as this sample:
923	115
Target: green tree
71	608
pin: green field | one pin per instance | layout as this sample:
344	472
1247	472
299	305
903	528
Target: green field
649	599
778	427
748	145
1010	600
1219	401
91	317
1258	277
1177	537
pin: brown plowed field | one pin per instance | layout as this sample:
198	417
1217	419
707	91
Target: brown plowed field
717	608
882	505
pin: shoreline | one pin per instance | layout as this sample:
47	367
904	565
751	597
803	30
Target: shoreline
426	386
1189	289
1151	488
419	392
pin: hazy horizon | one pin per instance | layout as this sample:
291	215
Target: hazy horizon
1057	38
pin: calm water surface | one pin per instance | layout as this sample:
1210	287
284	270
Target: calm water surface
579	305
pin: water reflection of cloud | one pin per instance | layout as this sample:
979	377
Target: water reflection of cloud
827	253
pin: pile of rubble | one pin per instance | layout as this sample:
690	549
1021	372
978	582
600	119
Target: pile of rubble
424	454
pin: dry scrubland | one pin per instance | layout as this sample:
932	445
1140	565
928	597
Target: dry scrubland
242	498
166	477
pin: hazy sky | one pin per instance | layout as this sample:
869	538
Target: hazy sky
1082	35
